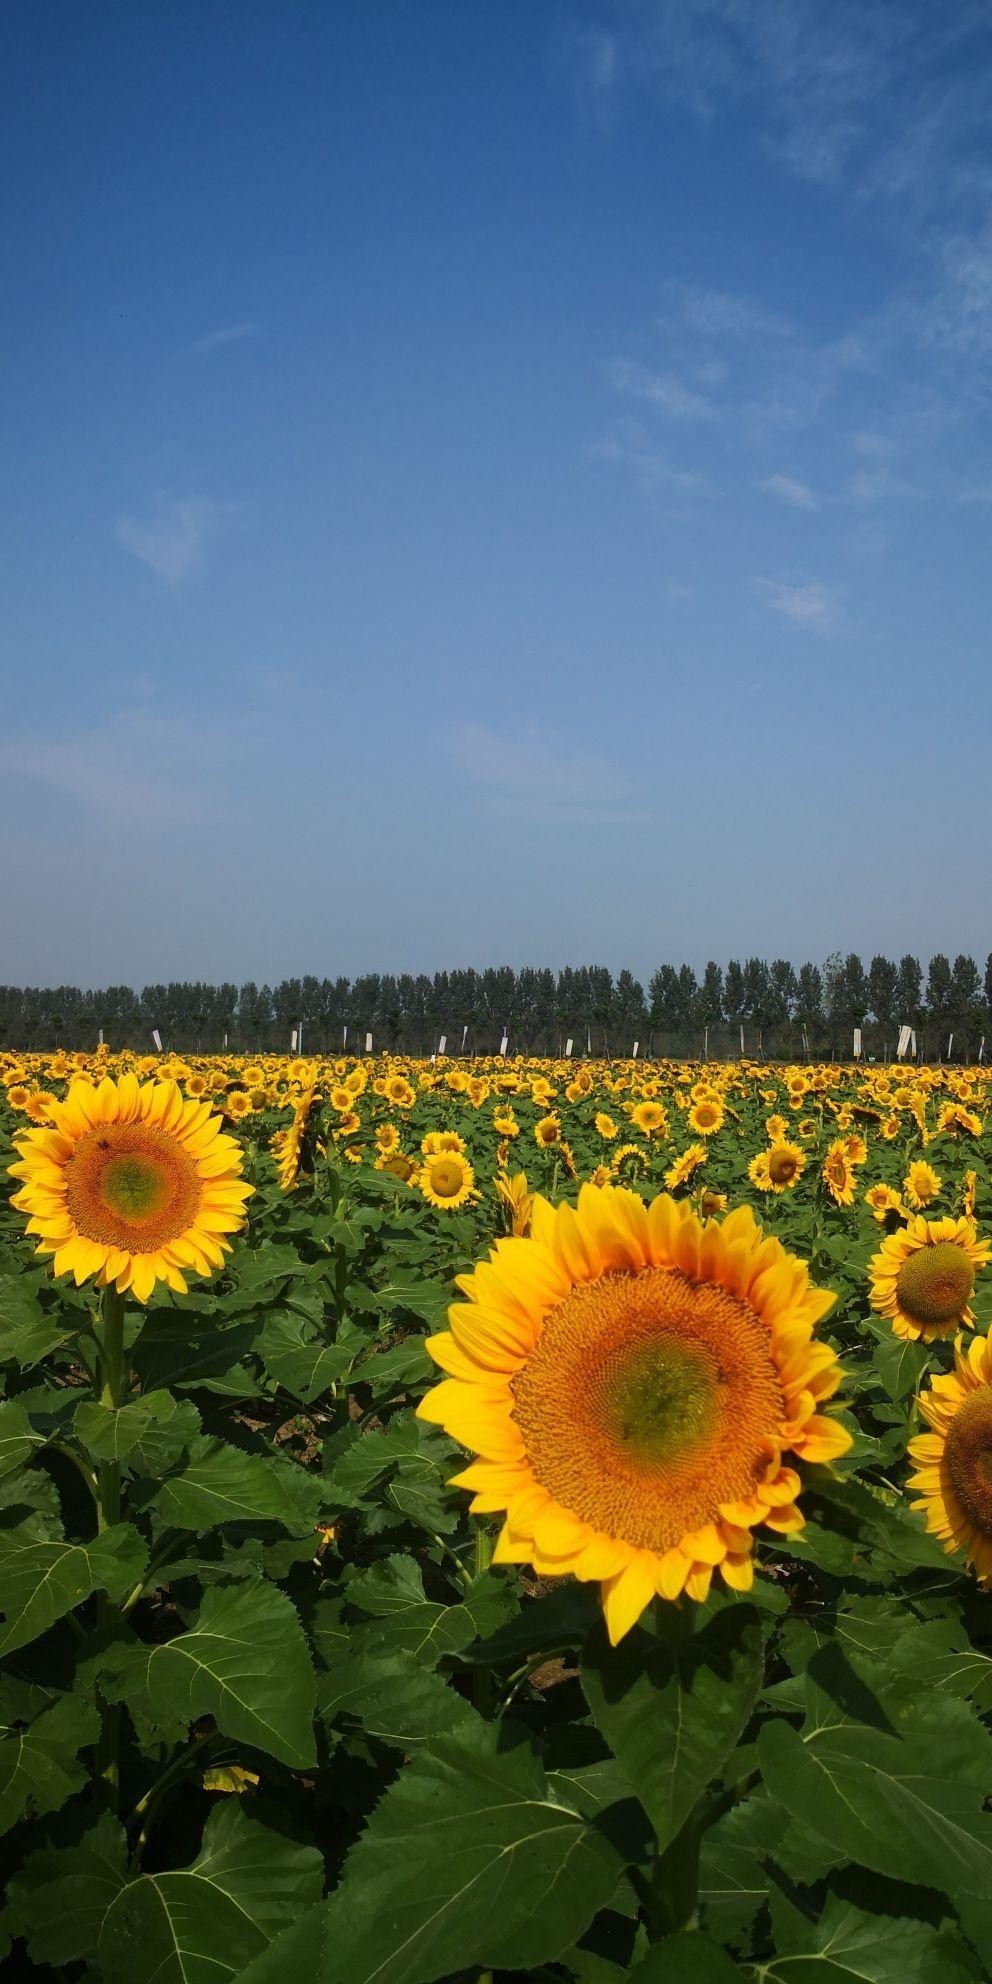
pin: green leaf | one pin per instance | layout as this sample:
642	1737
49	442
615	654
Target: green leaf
672	1703
219	1483
893	1805
42	1580
302	1366
203	1923
393	1698
59	1899
689	1958
18	1439
466	1860
111	1432
848	1946
403	1619
39	1767
245	1662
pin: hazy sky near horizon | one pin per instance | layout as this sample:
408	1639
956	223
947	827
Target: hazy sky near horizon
492	483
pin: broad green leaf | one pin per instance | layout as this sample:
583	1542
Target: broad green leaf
404	1367
467	1860
849	1946
888	1803
203	1923
59	1899
303	1366
39	1766
672	1703
18	1439
111	1432
245	1661
42	1580
402	1618
393	1698
219	1483
689	1958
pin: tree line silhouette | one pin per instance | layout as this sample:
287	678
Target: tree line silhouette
784	1012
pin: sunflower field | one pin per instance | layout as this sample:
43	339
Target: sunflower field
495	1519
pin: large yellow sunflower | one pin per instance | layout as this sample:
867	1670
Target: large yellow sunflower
133	1185
630	1380
923	1276
954	1460
446	1180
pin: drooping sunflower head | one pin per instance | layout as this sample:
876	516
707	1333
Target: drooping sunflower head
953	1476
683	1168
446	1180
838	1173
923	1277
631	1381
883	1200
132	1185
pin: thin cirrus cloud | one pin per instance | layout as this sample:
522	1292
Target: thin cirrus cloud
661	390
90	769
225	334
173	538
810	605
798	495
528	775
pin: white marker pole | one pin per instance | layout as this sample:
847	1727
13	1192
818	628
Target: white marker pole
344	1038
569	1044
504	1043
442	1044
292	1041
156	1036
464	1037
368	1043
636	1046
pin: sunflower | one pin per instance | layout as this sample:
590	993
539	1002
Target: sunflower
438	1140
681	1171
777	1169
446	1180
969	1193
921	1184
18	1096
400	1091
649	1117
711	1202
634	1156
606	1127
630	1380
238	1105
837	1173
924	1275
954	1460
398	1162
387	1137
288	1146
516	1198
883	1199
132	1185
776	1128
705	1118
505	1123
547	1132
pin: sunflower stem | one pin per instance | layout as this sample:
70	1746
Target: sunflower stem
112	1377
671	1896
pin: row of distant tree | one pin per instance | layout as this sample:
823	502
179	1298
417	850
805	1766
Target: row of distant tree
784	1012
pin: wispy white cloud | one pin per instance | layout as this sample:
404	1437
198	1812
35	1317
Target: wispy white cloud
173	538
810	604
661	390
715	313
797	494
630	448
225	334
113	769
528	774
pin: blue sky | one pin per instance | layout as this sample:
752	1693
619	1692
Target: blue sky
492	483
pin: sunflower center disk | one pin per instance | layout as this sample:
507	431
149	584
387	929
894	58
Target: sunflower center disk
968	1459
934	1285
781	1167
446	1179
647	1401
131	1186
